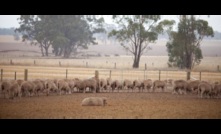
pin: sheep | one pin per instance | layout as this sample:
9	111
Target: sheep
116	85
137	84
20	82
39	87
147	84
204	88
91	84
94	101
50	86
193	86
103	84
127	85
180	84
109	82
5	86
14	90
216	89
28	87
63	85
158	84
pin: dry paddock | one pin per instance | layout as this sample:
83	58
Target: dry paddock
120	106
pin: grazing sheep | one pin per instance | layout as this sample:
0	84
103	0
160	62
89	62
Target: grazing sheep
116	85
147	84
20	82
63	85
180	85
91	84
109	82
39	87
204	89
127	85
94	101
192	86
137	84
5	86
103	84
28	87
158	84
50	86
15	90
216	90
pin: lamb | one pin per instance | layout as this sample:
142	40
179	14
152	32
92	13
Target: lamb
94	101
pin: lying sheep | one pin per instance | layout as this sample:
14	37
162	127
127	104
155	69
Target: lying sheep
94	101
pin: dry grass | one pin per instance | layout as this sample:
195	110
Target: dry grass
120	105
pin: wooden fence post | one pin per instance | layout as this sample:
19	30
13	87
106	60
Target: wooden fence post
15	75
200	76
159	74
66	73
145	66
26	75
115	65
59	63
110	74
96	74
11	62
218	68
1	74
34	62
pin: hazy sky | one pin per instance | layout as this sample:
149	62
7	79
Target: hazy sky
8	21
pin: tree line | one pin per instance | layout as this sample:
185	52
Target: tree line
68	33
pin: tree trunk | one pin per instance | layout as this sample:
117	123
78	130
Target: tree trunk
42	50
46	50
188	75
136	61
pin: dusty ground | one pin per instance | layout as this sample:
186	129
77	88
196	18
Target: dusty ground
120	105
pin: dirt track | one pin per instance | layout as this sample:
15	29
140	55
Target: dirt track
120	105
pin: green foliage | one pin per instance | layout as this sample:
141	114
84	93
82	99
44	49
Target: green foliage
184	46
66	33
137	31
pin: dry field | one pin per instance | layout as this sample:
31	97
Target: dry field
120	106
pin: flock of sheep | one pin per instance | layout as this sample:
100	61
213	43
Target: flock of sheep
19	88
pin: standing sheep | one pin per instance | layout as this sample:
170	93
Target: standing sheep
158	84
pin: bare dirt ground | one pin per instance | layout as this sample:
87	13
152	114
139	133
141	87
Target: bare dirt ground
120	106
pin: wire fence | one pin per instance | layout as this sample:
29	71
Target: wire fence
31	73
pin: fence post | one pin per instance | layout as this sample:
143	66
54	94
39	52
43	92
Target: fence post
59	63
15	75
159	74
218	68
96	74
86	64
144	74
200	76
1	74
11	61
110	74
26	75
188	73
145	66
34	62
66	73
115	65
